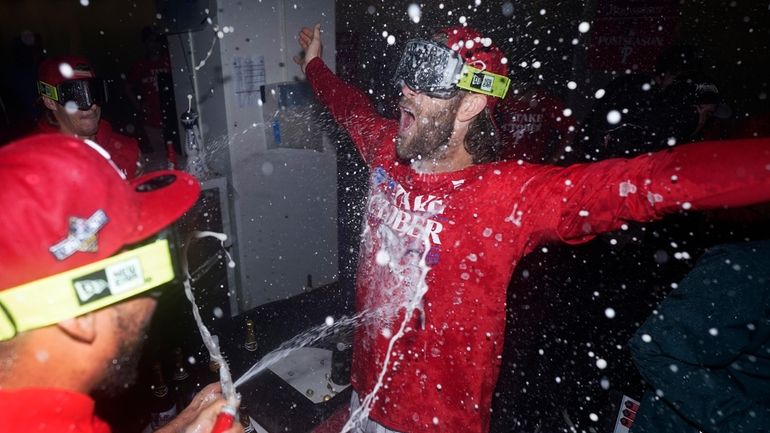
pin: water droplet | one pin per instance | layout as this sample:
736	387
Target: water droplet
71	107
382	258
599	94
584	27
610	313
415	13
613	117
507	9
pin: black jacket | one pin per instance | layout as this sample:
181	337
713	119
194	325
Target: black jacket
705	352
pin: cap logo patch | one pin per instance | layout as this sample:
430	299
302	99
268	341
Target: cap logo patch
81	236
482	81
112	280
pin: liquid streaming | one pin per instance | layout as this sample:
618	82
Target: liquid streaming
412	305
225	379
311	336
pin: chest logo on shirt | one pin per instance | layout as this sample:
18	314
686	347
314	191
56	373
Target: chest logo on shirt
413	215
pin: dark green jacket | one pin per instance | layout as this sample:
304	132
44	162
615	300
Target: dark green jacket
705	352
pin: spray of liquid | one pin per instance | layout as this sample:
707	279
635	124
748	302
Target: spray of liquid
414	304
341	325
228	389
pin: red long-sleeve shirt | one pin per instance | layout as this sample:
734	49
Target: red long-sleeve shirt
123	150
48	410
471	227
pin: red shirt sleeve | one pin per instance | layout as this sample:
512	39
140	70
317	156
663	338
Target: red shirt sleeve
351	109
582	201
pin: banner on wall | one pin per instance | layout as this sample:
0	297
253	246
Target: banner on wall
630	34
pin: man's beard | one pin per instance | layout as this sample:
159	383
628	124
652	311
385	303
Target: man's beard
121	373
427	137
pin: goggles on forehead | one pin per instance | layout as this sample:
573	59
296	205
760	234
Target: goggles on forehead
438	71
90	287
84	93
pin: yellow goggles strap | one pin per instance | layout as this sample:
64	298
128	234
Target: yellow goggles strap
88	288
476	80
47	90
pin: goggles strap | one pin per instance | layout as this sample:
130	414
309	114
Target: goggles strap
479	81
85	289
47	90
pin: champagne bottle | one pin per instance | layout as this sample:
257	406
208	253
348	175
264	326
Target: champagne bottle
182	381
162	407
251	340
248	427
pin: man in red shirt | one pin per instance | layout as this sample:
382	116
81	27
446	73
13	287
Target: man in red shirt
446	224
73	97
144	87
534	125
83	250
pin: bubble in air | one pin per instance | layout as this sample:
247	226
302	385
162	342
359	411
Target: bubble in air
613	117
71	107
713	332
610	313
604	383
572	85
599	94
593	417
329	321
371	10
646	338
463	20
218	313
507	9
415	13
391	40
382	258
584	27
66	70
601	364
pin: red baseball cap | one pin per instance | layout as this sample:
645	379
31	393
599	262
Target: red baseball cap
477	51
55	70
56	187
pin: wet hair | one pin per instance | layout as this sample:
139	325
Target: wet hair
482	141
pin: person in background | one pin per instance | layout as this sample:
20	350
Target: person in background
632	117
144	89
705	351
83	257
446	224
73	96
534	123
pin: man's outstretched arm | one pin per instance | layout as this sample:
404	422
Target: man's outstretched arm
589	199
348	105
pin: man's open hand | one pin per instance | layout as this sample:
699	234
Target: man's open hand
310	42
